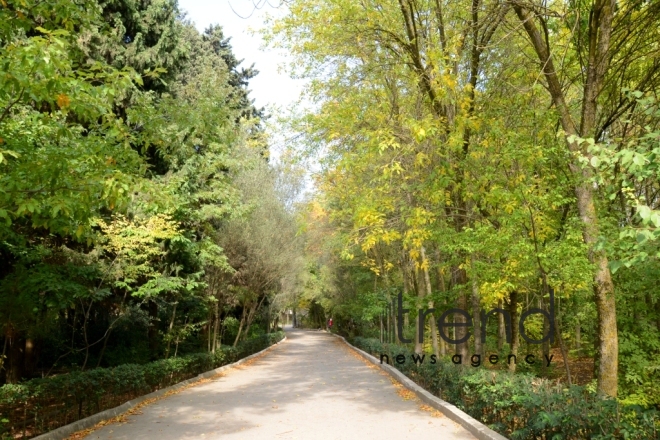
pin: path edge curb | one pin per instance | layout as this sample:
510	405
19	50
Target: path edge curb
474	426
65	431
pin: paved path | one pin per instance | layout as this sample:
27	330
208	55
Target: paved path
310	387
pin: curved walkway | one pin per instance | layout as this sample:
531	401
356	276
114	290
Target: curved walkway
310	387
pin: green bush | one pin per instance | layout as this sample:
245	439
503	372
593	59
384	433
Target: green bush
521	406
41	405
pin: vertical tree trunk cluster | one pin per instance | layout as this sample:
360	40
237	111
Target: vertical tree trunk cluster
599	34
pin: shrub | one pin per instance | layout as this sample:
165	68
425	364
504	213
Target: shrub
41	405
521	406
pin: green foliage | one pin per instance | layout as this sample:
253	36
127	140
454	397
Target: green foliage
451	174
522	406
628	168
125	138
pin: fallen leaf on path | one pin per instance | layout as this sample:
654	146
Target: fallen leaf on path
406	394
434	412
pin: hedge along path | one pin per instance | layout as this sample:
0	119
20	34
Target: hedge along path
311	387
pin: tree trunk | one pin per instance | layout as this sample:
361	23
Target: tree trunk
15	359
501	330
406	289
380	319
513	310
608	350
441	288
251	313
546	344
169	332
564	352
87	345
222	332
216	326
178	338
3	355
153	328
429	292
600	30
476	317
476	314
240	326
209	337
419	327
394	323
460	280
389	323
105	344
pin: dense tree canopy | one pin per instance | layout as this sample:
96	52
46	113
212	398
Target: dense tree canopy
488	154
136	199
492	154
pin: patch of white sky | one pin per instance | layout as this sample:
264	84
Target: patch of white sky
273	88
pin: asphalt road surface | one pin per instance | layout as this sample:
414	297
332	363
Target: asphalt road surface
311	386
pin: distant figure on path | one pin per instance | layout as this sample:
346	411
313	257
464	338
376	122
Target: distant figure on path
330	324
